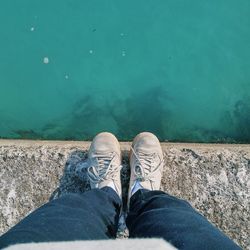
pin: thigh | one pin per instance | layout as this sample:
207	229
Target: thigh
91	215
157	214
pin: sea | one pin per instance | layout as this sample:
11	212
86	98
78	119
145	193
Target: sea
180	69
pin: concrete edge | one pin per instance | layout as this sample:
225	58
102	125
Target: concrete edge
124	144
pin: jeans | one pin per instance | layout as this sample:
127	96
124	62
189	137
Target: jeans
94	215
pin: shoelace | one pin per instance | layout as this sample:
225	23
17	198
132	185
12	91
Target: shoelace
102	167
146	165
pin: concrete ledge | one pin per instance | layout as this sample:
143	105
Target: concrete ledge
214	178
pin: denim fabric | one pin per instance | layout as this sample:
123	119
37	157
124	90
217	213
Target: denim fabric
157	214
88	216
94	215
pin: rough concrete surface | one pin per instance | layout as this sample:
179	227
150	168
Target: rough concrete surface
215	179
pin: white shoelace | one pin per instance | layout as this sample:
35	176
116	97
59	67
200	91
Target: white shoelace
102	167
146	166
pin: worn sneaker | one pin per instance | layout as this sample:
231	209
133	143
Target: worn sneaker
104	158
146	163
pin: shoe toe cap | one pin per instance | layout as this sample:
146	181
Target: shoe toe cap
105	142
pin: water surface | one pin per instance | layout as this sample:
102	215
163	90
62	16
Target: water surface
180	69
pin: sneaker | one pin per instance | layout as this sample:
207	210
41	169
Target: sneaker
104	158
146	163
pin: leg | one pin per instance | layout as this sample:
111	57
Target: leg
157	214
91	215
153	213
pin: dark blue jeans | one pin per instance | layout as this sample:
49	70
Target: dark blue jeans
94	215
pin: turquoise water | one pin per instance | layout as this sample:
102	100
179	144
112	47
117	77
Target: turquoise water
70	69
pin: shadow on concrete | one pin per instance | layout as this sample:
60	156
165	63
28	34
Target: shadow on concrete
74	180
